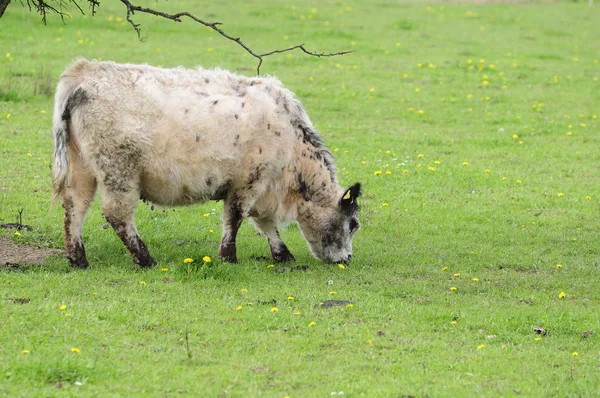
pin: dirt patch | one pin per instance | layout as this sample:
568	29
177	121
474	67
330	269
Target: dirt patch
11	254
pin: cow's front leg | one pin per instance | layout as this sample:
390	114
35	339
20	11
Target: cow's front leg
232	220
279	250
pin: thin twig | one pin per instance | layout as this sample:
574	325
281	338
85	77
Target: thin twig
187	344
132	9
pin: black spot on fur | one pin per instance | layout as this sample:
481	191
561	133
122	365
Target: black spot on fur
208	182
268	126
243	104
236	140
236	116
215	102
206	81
278	134
256	174
222	191
77	98
303	189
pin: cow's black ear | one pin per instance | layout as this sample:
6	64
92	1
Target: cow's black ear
348	200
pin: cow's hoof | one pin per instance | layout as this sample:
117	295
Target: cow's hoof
146	262
284	257
81	263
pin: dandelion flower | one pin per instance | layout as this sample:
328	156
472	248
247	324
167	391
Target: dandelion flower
244	290
349	305
341	266
25	352
238	308
369	341
17	233
206	259
465	163
290	298
62	307
444	268
562	295
384	205
313	323
560	194
480	346
75	350
456	275
588	198
575	354
297	313
486	170
274	309
188	260
67	315
333	293
164	269
453	288
378	172
475	279
270	266
558	265
372	90
143	283
453	323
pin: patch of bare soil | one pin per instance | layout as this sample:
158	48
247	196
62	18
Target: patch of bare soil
14	255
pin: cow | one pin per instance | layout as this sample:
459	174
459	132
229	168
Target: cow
179	136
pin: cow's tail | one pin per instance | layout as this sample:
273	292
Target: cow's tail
60	131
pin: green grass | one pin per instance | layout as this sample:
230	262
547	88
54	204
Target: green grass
526	200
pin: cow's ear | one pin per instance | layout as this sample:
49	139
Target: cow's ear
348	200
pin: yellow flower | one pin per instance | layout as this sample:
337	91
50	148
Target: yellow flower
249	303
290	297
588	198
560	194
206	215
378	172
475	279
188	260
575	354
17	233
75	350
384	205
417	90
164	269
67	315
453	288
369	341
480	346
206	259
341	266
558	265
310	325
372	90
456	275
8	116
332	293
562	295
143	283
62	307
419	156
465	163
270	266
238	308
453	323
486	170
349	305
518	181
569	133
25	352
244	290
274	309
444	269
43	111
297	313
7	55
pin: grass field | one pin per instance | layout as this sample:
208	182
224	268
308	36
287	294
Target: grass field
474	129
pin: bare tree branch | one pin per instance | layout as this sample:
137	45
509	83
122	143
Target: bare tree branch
131	9
60	6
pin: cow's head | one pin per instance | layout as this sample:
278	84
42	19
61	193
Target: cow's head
329	229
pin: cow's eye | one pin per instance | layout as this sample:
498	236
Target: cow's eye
353	224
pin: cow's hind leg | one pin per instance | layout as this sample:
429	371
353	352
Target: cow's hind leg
118	207
77	200
233	215
279	250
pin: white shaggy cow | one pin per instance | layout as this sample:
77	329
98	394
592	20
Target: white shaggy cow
181	136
